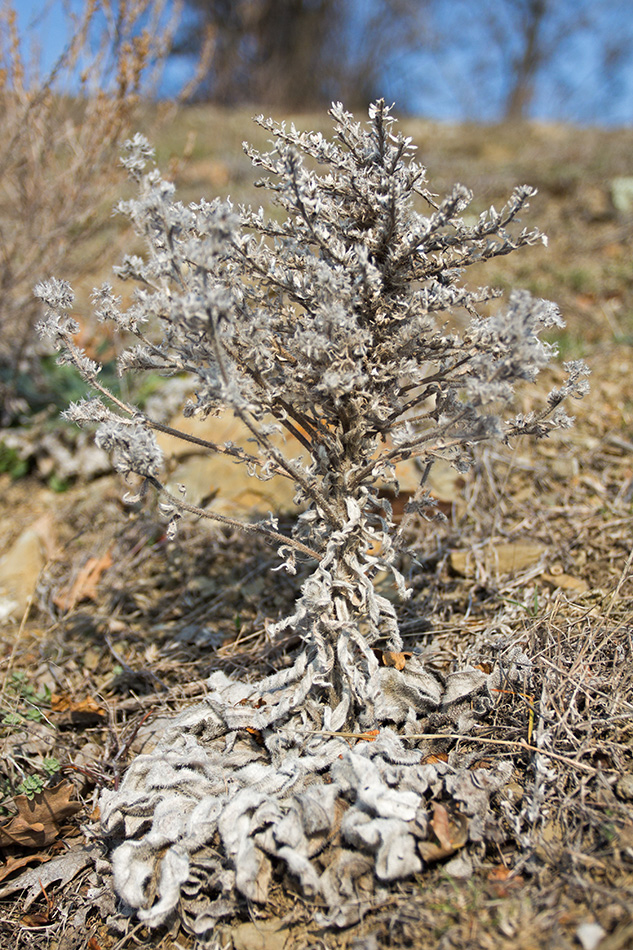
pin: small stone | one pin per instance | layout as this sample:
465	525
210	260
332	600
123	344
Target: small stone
589	935
460	867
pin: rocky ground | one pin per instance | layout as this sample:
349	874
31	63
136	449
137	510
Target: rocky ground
108	628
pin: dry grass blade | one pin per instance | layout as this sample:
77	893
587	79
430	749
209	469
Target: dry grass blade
616	593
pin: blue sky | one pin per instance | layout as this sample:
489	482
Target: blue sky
46	24
581	69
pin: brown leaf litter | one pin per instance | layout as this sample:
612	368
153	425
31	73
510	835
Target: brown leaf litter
39	819
84	587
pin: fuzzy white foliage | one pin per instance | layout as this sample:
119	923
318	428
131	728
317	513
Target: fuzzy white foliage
287	799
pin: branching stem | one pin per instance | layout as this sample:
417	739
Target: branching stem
223	519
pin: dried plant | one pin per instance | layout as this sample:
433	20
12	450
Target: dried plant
328	322
61	132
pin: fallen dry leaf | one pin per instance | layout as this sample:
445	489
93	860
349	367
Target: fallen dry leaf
39	919
14	864
484	667
370	735
394	659
451	832
38	820
503	880
433	757
77	712
441	827
256	735
85	584
61	869
42	917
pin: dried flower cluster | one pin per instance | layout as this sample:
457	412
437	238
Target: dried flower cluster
329	321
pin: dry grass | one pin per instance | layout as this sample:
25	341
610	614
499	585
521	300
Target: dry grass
58	157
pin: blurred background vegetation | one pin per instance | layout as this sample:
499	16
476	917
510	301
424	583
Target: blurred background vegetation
495	94
569	60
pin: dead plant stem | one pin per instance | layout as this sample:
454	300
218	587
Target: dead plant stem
242	525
